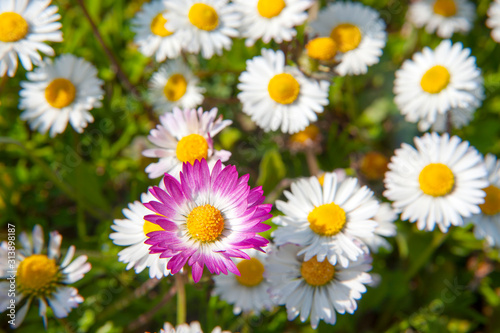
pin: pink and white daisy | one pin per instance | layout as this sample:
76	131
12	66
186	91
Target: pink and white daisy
208	217
185	136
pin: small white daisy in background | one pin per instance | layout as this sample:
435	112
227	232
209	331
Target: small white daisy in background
440	182
132	232
42	277
248	292
185	136
193	327
203	25
443	16
358	34
437	83
493	20
175	85
60	91
151	35
24	26
277	96
271	19
326	220
385	218
487	223
314	288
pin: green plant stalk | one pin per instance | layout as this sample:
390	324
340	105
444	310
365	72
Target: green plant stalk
181	298
437	241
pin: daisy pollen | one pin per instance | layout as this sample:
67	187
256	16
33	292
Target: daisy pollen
13	26
252	272
317	273
203	17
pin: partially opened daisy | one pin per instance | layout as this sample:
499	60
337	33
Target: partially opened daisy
277	96
193	327
314	288
487	223
25	26
357	32
385	218
445	17
439	182
439	86
271	19
493	20
185	136
42	276
203	25
207	218
131	232
60	91
175	85
151	35
326	220
248	291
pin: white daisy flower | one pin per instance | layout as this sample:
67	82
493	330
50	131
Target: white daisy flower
58	92
248	292
358	32
443	16
271	19
185	136
487	223
24	26
132	232
151	35
175	85
326	220
493	20
205	25
385	218
440	182
435	83
314	288
42	276
278	96
194	327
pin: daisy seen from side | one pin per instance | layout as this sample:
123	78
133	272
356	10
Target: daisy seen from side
353	36
208	218
42	276
493	20
185	136
151	35
25	27
439	182
315	289
59	91
439	86
193	327
385	218
271	19
327	220
277	96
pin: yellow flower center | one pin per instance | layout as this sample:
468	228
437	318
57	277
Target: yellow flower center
191	148
158	26
205	223
13	27
321	48
436	179
37	275
445	8
283	88
327	219
317	273
60	93
175	88
148	227
252	272
374	165
310	133
270	8
435	79
347	36
203	17
491	205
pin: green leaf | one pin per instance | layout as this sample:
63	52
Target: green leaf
271	170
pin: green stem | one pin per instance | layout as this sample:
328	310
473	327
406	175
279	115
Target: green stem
181	298
80	216
438	239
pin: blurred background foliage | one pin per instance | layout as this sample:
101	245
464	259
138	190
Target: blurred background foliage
77	184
